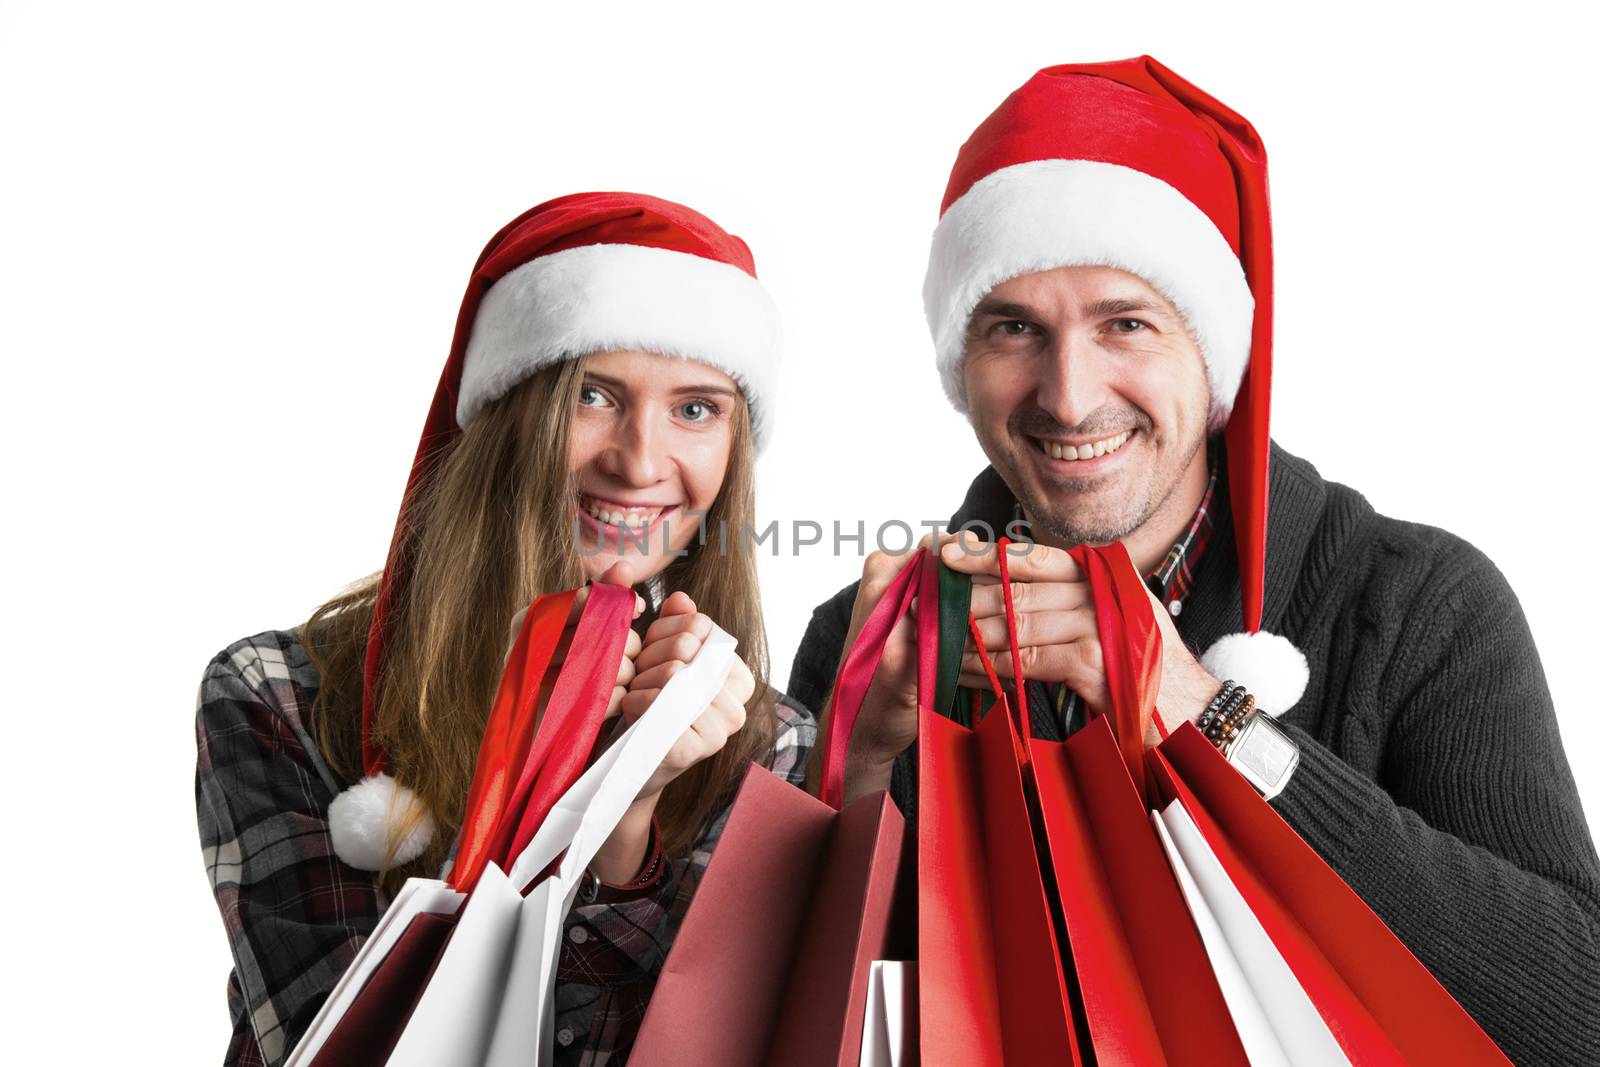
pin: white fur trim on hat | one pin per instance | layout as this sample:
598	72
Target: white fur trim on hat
358	822
1069	213
1268	665
597	298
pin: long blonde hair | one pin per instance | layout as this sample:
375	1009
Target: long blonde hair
493	530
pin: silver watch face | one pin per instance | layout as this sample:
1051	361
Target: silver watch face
1264	754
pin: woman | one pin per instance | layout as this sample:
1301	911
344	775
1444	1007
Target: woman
608	385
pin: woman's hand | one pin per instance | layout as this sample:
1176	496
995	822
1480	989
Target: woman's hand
669	644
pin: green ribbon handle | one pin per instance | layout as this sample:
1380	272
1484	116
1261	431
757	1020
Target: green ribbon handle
955	606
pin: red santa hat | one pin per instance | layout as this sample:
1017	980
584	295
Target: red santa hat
589	272
1127	165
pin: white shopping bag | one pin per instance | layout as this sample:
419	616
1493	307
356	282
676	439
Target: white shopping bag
889	1031
491	998
1275	1019
578	825
452	1021
419	896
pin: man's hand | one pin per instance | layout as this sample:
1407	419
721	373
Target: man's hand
1058	638
887	724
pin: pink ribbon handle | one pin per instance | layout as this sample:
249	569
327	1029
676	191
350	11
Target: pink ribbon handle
861	661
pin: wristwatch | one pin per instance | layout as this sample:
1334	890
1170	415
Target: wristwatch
1264	754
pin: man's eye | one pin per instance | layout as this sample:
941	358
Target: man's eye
1014	328
1129	325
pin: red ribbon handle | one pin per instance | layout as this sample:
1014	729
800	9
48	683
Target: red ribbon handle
577	710
1130	646
542	756
918	580
1018	683
508	733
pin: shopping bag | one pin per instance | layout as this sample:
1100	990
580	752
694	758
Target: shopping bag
991	985
362	1018
1379	1003
375	996
487	994
793	907
889	1037
1147	989
490	1001
569	838
791	910
1276	1022
1308	973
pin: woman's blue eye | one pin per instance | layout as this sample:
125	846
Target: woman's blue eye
589	396
697	410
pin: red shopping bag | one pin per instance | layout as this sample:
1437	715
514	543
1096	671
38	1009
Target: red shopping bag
1147	990
1377	999
1378	1003
521	761
991	987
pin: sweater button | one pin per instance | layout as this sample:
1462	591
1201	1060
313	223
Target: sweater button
578	935
1176	607
564	1036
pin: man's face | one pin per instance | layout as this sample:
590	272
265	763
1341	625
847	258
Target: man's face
1089	396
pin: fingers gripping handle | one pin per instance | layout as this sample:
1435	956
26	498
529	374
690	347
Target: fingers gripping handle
860	663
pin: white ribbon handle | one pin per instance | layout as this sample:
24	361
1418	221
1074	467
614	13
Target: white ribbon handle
584	817
579	824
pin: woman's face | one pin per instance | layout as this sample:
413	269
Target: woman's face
649	449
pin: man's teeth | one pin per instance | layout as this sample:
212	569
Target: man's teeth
1057	450
634	517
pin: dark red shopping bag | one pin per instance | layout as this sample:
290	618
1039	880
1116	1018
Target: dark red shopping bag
771	961
794	906
524	765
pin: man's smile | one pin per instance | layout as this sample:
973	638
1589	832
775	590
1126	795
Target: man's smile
1074	452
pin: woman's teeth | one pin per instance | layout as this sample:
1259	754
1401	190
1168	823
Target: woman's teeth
1056	450
634	518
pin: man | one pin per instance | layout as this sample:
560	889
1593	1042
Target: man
1099	292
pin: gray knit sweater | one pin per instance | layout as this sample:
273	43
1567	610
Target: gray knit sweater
1432	776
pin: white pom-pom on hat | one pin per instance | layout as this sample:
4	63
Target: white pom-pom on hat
1268	665
359	820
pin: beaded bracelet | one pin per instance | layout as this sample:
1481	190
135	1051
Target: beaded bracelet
1227	699
1224	728
1225	716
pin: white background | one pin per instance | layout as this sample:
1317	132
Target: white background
235	238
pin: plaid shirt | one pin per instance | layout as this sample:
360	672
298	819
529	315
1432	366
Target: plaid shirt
295	914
